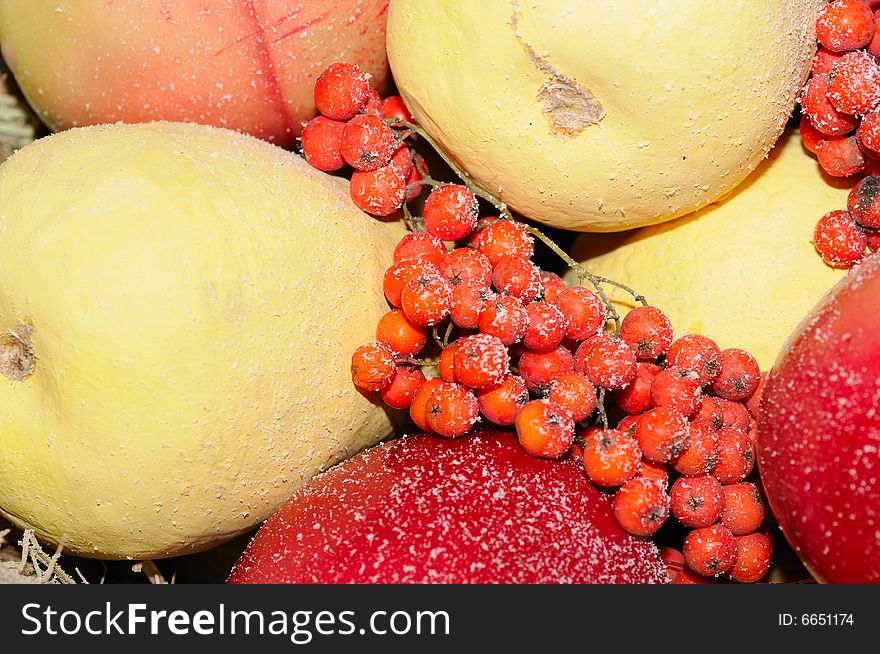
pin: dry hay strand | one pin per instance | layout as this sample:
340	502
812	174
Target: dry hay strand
30	565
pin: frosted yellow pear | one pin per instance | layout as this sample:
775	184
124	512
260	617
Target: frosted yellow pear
597	115
743	272
178	309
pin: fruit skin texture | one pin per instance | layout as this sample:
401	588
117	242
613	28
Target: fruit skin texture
194	318
742	272
474	510
676	132
249	65
817	447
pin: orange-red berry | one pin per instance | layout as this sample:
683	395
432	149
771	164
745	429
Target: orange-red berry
399	334
544	430
451	410
710	550
739	375
641	506
611	458
372	366
743	508
481	361
341	90
501	403
736	456
575	393
400	392
753	554
451	212
607	361
662	434
648	331
697	501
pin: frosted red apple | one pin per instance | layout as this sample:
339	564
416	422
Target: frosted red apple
425	509
819	433
249	65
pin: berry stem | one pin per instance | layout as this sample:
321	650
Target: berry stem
600	406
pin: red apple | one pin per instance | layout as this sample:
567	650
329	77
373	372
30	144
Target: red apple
819	432
425	509
248	65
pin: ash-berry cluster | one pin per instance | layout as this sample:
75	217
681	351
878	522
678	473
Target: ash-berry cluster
477	334
353	129
841	124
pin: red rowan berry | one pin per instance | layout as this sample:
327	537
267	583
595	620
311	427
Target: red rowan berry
422	246
467	266
736	456
321	138
678	389
372	366
419	405
583	310
368	143
824	60
468	302
341	90
394	107
636	397
734	415
377	192
607	361
753	553
701	453
840	156
481	361
648	331
400	274
655	472
544	430
710	550
451	212
662	434
743	508
863	203
399	334
505	238
574	393
539	369
739	375
426	300
753	404
501	403
838	239
710	414
845	25
823	116
546	327
517	276
553	285
451	410
854	83
611	458
641	506
697	501
697	354
505	317
400	392
810	136
447	362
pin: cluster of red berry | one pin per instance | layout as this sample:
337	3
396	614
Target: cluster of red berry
510	344
354	128
841	124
